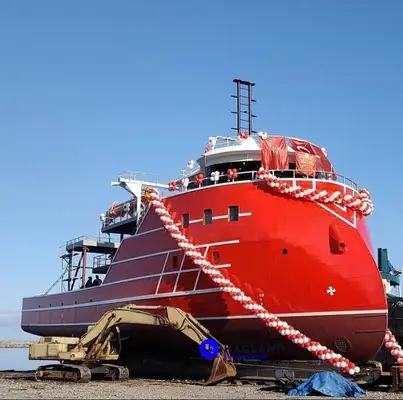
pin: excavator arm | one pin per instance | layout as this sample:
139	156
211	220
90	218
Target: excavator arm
94	346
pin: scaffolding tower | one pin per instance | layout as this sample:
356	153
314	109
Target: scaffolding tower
75	260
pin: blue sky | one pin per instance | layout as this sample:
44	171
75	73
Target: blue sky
90	89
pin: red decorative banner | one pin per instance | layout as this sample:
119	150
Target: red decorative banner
274	153
326	164
305	163
301	145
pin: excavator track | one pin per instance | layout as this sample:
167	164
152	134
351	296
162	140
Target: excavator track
64	372
110	372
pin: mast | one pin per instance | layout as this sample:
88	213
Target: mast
244	101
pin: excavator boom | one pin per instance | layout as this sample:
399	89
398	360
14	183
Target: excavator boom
94	347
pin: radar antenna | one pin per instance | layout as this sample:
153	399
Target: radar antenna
244	93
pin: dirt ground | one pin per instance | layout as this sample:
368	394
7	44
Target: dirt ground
24	386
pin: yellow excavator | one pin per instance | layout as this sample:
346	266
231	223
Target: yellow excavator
81	359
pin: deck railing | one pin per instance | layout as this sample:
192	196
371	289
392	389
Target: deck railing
101	239
283	175
77	240
141	176
124	211
232	141
101	261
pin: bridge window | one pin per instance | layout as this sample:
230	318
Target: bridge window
185	220
233	213
216	257
208	216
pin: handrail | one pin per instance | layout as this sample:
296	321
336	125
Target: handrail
318	176
119	205
230	141
77	239
233	141
140	176
102	239
101	261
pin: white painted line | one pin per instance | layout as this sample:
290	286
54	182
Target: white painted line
147	232
233	317
174	250
200	271
125	300
195	221
339	216
162	274
179	273
303	314
220	217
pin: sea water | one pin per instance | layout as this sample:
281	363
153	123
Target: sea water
18	360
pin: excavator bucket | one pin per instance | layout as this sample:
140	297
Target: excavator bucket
223	369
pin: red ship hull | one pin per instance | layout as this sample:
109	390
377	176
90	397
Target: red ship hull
281	252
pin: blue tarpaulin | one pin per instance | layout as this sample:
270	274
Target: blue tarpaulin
328	383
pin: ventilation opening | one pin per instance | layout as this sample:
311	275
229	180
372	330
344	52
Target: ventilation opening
233	213
342	344
175	262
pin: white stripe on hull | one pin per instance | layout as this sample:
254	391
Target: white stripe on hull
127	299
167	295
240	317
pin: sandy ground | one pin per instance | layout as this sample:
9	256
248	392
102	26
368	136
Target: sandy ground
143	389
